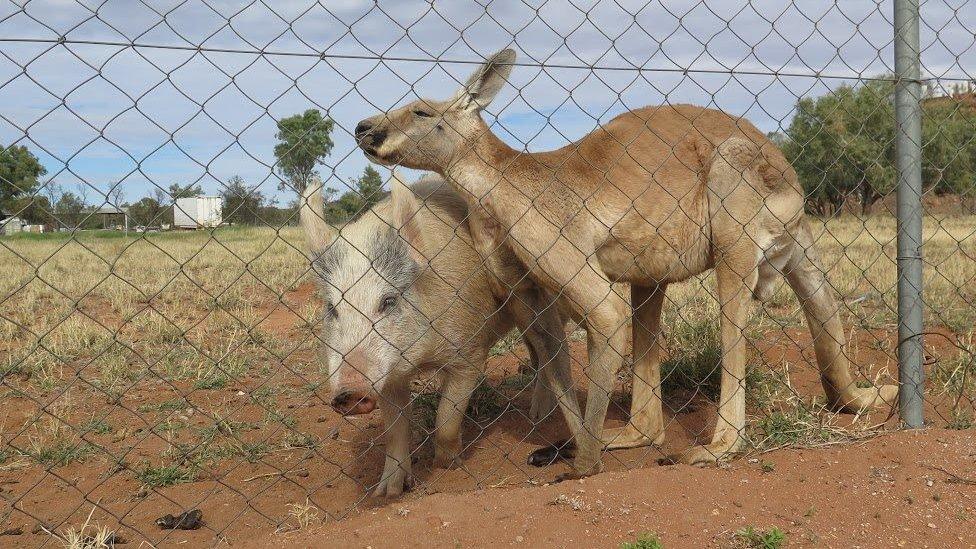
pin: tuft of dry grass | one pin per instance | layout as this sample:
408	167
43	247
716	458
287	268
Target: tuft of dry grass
88	536
303	513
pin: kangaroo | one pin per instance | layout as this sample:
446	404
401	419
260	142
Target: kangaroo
405	292
653	197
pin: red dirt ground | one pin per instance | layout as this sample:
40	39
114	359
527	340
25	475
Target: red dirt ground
888	492
853	495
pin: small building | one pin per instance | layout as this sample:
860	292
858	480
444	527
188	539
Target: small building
197	212
10	223
113	217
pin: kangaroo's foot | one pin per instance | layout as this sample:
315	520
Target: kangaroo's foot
861	399
630	436
722	447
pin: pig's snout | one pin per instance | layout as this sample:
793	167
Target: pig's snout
352	403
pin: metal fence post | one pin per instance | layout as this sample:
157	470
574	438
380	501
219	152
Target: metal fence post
908	141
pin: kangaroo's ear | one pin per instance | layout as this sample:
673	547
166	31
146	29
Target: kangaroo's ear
482	86
405	218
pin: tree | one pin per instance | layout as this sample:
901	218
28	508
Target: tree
367	191
70	210
303	141
241	203
115	195
19	171
152	210
184	191
843	146
147	211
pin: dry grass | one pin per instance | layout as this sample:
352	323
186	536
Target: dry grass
107	316
303	513
88	536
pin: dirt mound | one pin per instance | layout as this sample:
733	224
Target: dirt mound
899	490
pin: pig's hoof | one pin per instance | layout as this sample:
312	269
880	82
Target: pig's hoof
547	455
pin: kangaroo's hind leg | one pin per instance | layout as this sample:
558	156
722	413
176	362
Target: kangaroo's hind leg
646	423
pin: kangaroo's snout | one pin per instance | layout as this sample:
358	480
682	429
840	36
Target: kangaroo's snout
353	402
368	138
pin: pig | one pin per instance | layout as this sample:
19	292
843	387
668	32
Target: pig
407	292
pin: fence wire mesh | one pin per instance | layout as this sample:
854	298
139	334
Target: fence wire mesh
165	352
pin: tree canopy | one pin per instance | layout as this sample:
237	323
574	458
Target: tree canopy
842	146
303	141
242	204
365	191
184	191
19	173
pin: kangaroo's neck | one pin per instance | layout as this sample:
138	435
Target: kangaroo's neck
484	161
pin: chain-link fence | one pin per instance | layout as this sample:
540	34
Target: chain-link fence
208	289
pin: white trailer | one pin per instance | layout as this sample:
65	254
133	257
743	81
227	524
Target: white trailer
197	212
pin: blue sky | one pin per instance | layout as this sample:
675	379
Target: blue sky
106	115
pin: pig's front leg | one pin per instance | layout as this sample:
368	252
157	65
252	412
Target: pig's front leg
395	408
459	384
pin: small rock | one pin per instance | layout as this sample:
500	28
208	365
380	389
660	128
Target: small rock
519	539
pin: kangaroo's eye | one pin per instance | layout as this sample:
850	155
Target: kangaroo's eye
388	303
330	311
422	114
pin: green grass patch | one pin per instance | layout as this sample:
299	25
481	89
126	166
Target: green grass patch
58	452
164	476
752	538
97	426
211	382
166	406
696	364
797	426
644	541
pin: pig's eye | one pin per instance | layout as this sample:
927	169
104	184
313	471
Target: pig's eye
388	303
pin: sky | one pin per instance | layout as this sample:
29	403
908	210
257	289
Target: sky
139	94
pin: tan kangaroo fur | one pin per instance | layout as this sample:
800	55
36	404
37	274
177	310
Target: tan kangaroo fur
653	197
407	292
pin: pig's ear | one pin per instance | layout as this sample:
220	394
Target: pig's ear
405	218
